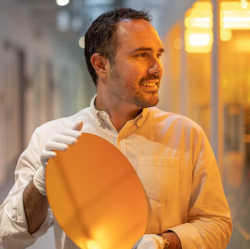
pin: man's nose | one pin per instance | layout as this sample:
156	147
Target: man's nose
156	67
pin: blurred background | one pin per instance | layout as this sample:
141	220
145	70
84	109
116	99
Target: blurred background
43	76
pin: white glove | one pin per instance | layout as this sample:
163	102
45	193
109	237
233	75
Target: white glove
151	241
60	142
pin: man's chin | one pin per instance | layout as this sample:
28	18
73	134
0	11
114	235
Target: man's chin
148	102
153	103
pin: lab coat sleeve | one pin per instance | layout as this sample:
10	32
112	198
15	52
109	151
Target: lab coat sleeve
209	222
13	225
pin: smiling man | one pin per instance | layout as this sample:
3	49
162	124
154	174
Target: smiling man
169	152
129	81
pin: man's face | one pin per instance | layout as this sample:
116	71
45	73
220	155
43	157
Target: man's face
135	74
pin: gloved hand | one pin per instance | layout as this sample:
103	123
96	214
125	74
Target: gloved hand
60	142
151	241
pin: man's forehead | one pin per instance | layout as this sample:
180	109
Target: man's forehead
134	25
139	30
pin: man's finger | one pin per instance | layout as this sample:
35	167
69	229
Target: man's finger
71	133
46	155
56	146
62	139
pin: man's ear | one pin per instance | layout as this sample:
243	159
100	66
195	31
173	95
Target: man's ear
100	64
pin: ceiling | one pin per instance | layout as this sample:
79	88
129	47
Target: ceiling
78	14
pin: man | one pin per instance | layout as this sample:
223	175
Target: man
169	152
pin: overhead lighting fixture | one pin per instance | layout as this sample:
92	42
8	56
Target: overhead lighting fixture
81	42
198	42
234	15
62	2
201	22
198	28
198	22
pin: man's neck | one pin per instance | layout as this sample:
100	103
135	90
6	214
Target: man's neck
119	114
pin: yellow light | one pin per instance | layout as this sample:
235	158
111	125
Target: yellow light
91	244
244	4
200	16
198	32
198	42
233	16
236	21
198	20
202	22
225	34
198	6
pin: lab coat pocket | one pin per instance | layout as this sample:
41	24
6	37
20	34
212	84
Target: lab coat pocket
159	176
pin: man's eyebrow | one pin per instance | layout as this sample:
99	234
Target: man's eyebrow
143	49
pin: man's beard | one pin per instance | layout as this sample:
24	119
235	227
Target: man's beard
141	100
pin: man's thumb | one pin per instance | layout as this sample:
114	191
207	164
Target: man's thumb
78	126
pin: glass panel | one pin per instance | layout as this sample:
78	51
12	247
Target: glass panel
188	69
235	79
188	89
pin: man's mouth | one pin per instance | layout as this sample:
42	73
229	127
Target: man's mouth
151	85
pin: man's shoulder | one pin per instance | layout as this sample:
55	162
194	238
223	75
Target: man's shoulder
167	118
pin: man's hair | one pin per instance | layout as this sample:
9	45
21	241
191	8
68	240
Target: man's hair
100	36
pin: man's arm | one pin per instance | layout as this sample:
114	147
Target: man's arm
209	223
34	196
24	214
16	231
35	207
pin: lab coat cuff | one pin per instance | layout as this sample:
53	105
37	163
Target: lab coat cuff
189	236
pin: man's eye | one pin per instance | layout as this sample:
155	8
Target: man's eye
143	55
159	55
